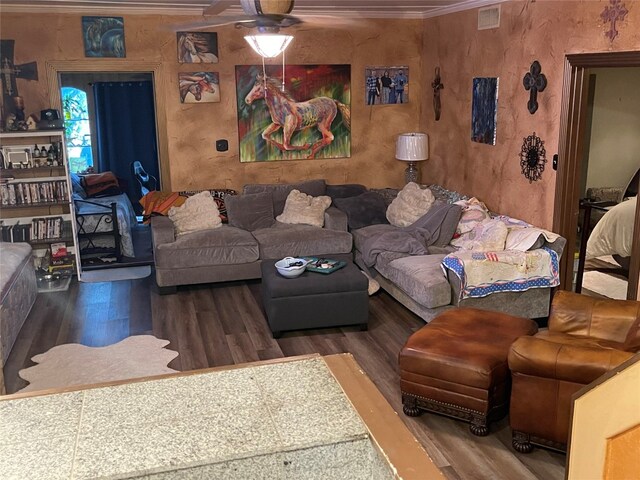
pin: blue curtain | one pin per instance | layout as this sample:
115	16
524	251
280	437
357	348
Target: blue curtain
126	131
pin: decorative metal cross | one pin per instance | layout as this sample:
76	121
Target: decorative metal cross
535	81
9	71
613	13
437	86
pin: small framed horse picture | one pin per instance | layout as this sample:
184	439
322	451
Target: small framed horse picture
306	115
197	47
199	87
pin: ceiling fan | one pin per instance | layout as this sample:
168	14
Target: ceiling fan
264	15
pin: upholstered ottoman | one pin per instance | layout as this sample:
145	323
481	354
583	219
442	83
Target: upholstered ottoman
457	366
314	300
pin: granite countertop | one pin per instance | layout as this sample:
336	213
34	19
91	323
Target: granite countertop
274	421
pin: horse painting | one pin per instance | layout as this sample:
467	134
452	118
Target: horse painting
292	116
197	47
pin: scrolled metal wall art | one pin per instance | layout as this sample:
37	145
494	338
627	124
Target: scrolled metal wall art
533	157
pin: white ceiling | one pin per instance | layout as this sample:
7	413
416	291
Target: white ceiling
346	8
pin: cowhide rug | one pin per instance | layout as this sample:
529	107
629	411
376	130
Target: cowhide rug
74	364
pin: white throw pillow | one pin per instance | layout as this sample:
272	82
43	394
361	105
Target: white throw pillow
198	212
303	208
485	237
411	203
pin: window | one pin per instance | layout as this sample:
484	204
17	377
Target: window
77	129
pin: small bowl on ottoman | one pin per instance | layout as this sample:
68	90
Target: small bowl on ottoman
291	267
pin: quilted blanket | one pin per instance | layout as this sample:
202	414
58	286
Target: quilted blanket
484	273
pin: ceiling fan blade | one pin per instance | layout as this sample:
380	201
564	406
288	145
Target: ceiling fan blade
218	6
213	22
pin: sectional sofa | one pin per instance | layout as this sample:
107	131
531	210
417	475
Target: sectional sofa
235	251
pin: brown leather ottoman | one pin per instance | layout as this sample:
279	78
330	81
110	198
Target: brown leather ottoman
457	366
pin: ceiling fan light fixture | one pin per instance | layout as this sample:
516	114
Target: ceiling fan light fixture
269	45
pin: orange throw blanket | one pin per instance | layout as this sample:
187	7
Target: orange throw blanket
159	203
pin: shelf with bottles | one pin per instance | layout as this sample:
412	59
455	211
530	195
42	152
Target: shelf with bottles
32	149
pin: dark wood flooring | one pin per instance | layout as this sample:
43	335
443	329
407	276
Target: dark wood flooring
223	324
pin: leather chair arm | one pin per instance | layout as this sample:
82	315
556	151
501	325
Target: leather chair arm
572	363
335	219
162	230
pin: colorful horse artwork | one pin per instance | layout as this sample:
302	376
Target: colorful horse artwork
292	116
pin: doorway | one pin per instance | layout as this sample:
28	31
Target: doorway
574	141
110	123
152	70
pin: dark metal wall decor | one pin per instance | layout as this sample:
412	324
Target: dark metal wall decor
10	71
437	86
534	81
533	157
614	12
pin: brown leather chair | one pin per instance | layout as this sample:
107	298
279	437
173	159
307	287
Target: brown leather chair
586	338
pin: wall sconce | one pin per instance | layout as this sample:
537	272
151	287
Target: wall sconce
412	148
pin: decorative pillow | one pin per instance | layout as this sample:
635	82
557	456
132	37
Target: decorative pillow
198	213
303	208
218	196
388	194
489	236
366	209
473	213
250	212
101	184
448	196
280	192
411	203
158	203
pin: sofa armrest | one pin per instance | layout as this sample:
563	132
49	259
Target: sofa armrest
563	361
335	219
557	246
162	230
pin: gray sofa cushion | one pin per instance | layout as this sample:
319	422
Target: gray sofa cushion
421	277
345	190
219	246
315	188
284	240
363	210
250	212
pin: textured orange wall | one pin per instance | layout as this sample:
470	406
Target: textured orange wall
543	31
193	129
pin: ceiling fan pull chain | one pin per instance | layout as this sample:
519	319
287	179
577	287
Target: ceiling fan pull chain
283	70
264	78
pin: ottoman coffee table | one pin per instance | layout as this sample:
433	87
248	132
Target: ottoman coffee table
457	366
314	300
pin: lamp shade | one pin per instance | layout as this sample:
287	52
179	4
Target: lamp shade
269	45
412	147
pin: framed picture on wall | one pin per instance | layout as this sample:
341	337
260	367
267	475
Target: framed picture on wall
314	103
197	47
199	87
484	110
386	85
103	37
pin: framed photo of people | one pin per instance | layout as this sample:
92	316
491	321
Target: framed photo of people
386	85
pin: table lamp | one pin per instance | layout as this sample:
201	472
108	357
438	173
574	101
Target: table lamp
412	148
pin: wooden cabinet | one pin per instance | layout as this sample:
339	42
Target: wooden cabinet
35	191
